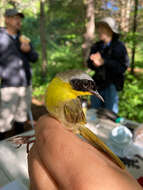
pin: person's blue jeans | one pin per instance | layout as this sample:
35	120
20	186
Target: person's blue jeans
110	96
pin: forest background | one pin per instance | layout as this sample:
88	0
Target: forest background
62	32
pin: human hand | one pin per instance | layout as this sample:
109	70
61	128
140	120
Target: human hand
25	44
97	59
25	47
60	160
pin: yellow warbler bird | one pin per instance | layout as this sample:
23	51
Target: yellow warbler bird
62	102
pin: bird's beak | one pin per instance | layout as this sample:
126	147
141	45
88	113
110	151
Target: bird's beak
96	93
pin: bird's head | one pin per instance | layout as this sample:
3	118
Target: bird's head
68	85
80	83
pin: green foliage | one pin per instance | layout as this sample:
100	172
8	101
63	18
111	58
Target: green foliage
62	55
64	40
60	58
129	38
65	24
39	91
131	98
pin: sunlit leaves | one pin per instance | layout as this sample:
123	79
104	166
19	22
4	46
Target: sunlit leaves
131	98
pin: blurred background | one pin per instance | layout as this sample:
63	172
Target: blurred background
62	31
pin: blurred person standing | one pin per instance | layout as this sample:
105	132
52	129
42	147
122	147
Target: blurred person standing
16	52
109	59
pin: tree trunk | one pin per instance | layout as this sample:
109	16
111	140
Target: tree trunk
2	8
125	12
43	37
90	28
1	19
134	36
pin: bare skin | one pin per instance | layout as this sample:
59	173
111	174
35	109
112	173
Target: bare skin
97	59
59	160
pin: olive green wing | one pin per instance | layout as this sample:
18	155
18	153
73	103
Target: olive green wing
73	112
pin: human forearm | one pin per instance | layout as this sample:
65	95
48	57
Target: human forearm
32	55
40	179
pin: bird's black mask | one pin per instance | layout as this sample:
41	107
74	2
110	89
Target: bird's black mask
83	85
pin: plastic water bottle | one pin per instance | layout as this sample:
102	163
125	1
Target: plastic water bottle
84	106
128	123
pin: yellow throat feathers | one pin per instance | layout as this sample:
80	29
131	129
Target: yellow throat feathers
59	92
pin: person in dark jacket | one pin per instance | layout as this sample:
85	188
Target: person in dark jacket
109	59
16	52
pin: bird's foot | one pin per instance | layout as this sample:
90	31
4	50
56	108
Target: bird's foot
20	140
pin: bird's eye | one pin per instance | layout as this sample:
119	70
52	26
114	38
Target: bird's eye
86	84
76	84
82	85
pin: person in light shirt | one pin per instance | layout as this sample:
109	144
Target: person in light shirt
16	53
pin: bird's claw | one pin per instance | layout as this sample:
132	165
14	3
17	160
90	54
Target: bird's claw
20	140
